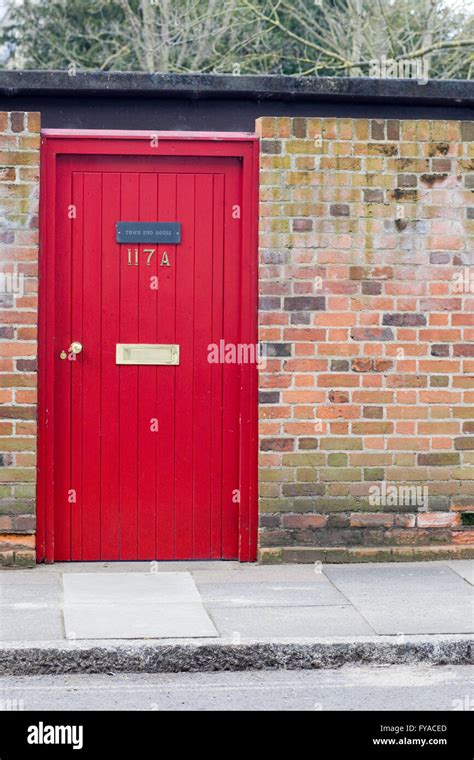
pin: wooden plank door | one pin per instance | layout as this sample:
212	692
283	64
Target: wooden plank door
146	456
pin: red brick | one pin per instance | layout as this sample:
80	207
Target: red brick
438	520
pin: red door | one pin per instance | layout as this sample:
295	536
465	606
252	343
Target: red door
147	456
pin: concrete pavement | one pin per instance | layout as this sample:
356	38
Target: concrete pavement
282	616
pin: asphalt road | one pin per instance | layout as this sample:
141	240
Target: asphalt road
416	687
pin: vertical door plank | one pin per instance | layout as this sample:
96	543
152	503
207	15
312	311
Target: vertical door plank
147	405
128	379
216	369
184	402
76	333
166	376
90	359
109	370
231	370
62	460
201	390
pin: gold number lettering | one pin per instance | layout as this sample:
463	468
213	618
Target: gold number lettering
151	253
129	257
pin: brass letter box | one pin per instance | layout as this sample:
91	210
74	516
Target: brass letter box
147	353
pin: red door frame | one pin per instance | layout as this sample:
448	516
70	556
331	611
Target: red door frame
56	142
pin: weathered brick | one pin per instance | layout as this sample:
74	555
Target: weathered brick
463	349
377	129
467	131
440	304
268	397
304	521
339	209
338	397
276	444
7	557
361	520
335	443
407	180
407	319
269	303
302	489
437	519
374	473
438	459
17	121
270	146
371	288
301	459
337	460
269	521
373	412
464	444
299	127
308	443
440	350
339	365
278	349
304	303
25	558
302	225
371	333
373	196
371	365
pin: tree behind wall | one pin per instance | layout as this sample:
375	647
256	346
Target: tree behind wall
127	35
318	37
345	37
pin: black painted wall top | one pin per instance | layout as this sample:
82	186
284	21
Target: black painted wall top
102	100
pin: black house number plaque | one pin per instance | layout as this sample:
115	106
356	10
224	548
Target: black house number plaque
148	232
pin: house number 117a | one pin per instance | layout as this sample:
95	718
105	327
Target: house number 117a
132	256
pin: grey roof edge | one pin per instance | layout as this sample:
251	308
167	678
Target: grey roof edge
271	87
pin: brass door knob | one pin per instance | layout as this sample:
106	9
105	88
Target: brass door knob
75	347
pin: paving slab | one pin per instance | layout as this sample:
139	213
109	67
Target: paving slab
26	596
33	577
314	592
30	611
38	624
134	605
409	599
464	568
130	588
138	621
281	623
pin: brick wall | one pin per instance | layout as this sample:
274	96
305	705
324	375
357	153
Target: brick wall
367	310
19	185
